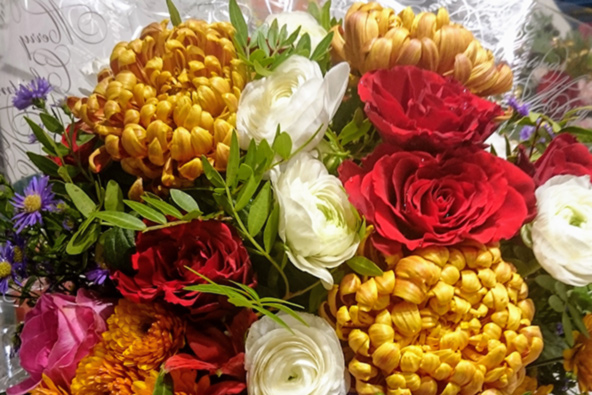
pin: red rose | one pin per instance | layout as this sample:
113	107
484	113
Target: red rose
217	358
416	108
420	199
563	156
210	248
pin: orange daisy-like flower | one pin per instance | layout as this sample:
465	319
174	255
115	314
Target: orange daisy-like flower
48	387
168	98
143	336
579	358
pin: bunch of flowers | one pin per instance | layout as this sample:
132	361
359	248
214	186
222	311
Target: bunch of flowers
311	207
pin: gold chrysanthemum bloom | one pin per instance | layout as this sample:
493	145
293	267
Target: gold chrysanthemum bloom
143	336
579	358
48	387
168	98
530	385
441	321
374	37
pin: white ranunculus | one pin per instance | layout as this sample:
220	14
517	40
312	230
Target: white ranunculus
296	97
295	19
317	223
307	361
562	229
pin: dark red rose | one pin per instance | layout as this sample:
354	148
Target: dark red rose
214	365
564	155
210	248
79	152
557	90
416	108
419	199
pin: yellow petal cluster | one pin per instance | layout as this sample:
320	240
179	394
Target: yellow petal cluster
579	358
48	387
374	37
441	321
168	98
139	338
530	385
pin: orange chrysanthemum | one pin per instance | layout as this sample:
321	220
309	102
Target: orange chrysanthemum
168	98
47	387
530	385
143	335
579	358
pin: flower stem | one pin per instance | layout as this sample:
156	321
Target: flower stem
546	362
302	291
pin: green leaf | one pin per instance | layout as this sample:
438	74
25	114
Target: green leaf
146	212
282	145
244	172
64	174
576	318
364	266
81	200
293	37
354	131
174	13
561	290
163	385
246	193
264	157
238	21
271	229
43	163
118	246
123	220
288	311
162	206
251	155
113	197
322	47
190	216
86	235
184	200
303	46
545	281
45	140
259	210
51	123
233	161
567	329
525	232
212	174
583	135
260	70
556	303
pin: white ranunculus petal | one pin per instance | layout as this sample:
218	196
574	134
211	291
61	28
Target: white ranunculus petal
317	223
296	97
307	361
562	229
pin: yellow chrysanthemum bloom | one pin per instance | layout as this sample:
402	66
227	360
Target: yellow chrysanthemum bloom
48	387
530	384
143	336
374	37
168	98
441	321
579	358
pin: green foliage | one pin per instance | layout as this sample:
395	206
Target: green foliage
174	13
364	266
164	384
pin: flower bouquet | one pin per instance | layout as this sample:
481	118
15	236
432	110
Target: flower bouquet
310	206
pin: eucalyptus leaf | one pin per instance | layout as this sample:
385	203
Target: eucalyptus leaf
364	266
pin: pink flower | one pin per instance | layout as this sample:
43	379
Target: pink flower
57	334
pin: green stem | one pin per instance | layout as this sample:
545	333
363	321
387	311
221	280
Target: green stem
302	291
546	362
167	225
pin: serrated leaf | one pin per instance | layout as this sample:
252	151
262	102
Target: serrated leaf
184	200
364	266
259	210
81	200
233	161
51	124
212	174
567	329
122	220
246	193
282	145
545	281
163	385
43	138
271	229
556	303
43	163
84	238
162	206
238	21
146	212
113	197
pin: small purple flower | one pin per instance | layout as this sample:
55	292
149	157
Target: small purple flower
526	132
97	276
35	93
8	268
521	108
37	198
32	139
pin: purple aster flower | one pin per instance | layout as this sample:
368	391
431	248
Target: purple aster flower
97	276
35	93
527	132
37	198
521	108
7	267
